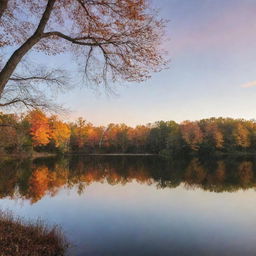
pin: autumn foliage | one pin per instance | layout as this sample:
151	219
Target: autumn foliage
44	130
59	132
110	40
39	128
40	132
33	181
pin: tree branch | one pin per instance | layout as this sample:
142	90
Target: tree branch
16	57
77	40
43	78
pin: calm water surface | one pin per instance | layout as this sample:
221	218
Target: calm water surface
138	206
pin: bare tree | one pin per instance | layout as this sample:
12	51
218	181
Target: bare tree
112	39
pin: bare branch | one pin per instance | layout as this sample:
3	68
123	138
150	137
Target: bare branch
28	90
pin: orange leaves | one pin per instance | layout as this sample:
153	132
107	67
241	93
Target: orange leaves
214	135
138	135
79	133
44	181
38	183
241	135
59	132
40	129
44	129
192	134
85	135
168	137
116	39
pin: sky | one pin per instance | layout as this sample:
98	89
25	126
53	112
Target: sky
212	70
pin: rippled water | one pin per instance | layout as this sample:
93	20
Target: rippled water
139	205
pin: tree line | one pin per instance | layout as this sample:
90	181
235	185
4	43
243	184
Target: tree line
36	131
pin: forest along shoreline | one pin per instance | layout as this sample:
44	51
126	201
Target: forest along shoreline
37	134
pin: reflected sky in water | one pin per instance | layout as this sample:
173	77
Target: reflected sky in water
141	218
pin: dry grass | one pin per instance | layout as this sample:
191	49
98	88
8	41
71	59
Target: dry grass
22	238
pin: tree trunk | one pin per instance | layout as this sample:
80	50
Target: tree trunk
3	6
16	57
14	61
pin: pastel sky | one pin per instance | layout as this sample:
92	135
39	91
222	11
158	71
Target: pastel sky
212	48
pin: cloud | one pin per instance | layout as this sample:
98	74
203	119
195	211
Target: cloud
249	84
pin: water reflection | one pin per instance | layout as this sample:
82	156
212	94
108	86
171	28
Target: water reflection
33	180
139	206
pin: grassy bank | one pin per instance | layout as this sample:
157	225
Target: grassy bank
19	237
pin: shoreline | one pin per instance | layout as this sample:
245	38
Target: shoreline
21	237
35	155
112	154
26	155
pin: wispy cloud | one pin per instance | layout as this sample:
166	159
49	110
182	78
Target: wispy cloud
249	84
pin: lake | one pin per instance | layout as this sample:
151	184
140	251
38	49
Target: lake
135	205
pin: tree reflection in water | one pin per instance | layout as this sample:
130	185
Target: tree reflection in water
33	180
